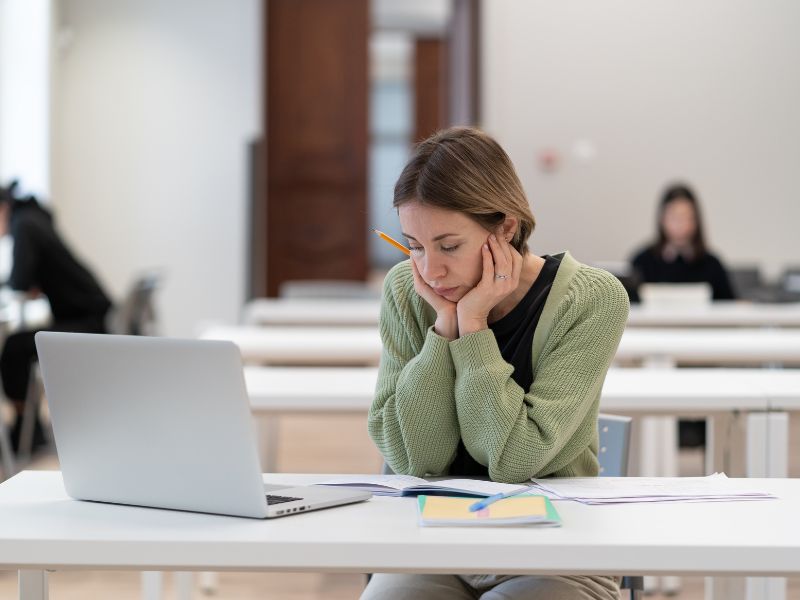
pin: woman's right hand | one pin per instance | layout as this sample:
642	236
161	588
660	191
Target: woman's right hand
446	314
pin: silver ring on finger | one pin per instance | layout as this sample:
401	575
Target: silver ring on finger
501	276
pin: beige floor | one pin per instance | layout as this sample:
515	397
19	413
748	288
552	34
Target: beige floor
339	444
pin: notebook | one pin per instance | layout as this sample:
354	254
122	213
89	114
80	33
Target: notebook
162	423
408	485
525	509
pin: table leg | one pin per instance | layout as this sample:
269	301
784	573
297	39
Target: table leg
768	444
209	582
184	585
724	588
33	585
152	585
767	456
268	441
771	588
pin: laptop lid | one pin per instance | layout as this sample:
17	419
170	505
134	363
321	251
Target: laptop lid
152	422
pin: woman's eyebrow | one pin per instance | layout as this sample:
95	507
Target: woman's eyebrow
436	239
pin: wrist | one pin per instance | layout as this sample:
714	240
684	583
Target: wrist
446	325
472	325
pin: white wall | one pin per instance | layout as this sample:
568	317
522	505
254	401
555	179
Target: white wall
155	105
703	91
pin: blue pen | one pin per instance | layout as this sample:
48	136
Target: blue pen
483	503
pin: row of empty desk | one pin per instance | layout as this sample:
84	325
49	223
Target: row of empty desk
352	345
756	393
303	311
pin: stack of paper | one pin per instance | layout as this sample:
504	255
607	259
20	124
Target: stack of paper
615	490
517	510
407	485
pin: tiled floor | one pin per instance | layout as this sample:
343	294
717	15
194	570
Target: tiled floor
337	444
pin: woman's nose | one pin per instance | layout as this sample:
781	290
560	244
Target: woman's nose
432	269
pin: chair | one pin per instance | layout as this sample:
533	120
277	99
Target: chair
7	453
746	281
790	283
30	414
136	314
614	442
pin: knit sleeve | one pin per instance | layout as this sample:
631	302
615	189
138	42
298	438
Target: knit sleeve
520	434
412	419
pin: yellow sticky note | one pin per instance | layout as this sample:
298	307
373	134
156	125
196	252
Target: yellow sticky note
449	508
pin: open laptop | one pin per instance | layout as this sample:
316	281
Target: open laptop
163	423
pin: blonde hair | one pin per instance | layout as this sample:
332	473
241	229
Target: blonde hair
465	170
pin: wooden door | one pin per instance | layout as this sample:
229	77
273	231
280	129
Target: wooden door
316	81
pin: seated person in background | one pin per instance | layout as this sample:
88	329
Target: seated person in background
493	357
42	263
679	254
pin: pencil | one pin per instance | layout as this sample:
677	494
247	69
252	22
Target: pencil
393	242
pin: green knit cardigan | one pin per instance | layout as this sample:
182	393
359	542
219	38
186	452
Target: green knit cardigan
432	392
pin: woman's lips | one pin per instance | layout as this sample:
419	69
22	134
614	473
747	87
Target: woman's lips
444	291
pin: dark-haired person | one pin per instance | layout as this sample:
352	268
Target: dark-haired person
42	263
679	253
493	357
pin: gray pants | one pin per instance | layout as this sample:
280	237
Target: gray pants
391	586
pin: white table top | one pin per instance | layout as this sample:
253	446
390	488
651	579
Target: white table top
716	314
302	345
673	391
40	527
712	346
362	345
308	311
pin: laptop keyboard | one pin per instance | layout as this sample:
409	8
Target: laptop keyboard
272	499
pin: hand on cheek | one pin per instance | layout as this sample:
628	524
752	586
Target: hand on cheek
501	268
446	322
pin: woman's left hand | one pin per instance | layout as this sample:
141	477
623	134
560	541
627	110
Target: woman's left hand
502	265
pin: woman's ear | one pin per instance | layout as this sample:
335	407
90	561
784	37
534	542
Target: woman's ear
510	226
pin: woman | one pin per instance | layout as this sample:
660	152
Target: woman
679	254
42	263
493	358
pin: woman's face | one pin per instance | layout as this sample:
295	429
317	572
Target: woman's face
679	222
446	247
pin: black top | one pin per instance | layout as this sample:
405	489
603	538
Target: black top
514	335
42	260
651	267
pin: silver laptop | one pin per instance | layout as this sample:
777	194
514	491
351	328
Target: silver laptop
164	423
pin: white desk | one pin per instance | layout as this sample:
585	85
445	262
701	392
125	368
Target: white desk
716	314
744	346
653	391
308	311
338	312
42	529
276	391
362	345
302	345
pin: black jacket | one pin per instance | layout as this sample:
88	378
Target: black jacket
650	267
42	260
